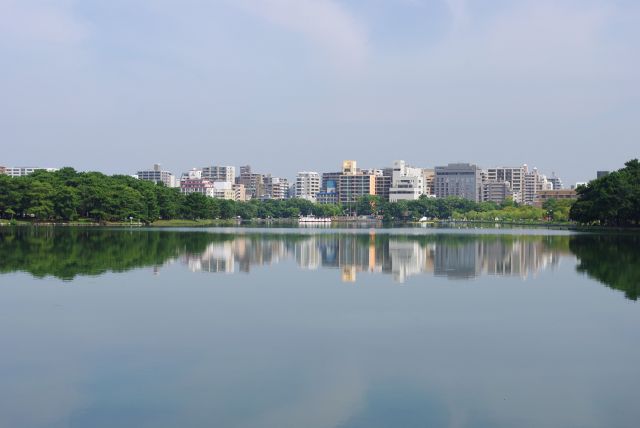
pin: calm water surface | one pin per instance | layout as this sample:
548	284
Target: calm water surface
312	328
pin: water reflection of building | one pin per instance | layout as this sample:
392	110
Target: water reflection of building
457	261
409	258
454	257
307	254
218	257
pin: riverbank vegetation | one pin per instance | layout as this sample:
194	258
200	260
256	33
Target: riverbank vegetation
69	196
464	210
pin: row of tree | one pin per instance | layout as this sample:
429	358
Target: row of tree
463	209
612	200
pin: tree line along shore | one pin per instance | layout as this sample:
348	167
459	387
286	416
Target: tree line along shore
68	196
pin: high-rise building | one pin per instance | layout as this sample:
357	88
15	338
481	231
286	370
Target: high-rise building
21	171
459	179
253	183
407	182
353	184
515	176
157	175
307	185
2	170
219	173
533	183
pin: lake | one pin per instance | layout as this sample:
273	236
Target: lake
349	328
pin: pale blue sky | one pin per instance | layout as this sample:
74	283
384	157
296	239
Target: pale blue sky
287	85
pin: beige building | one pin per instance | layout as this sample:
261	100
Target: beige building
239	192
219	173
545	195
353	184
349	167
428	177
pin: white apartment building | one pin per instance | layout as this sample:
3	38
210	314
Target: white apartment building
307	185
533	183
515	176
224	190
21	171
157	176
219	173
407	183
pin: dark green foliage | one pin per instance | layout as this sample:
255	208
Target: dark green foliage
613	200
447	208
68	252
67	195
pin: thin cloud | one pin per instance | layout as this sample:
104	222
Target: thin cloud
325	22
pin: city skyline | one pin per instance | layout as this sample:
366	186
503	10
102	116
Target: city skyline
400	182
291	175
104	85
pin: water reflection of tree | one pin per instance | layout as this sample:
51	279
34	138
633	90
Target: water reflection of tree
68	252
613	260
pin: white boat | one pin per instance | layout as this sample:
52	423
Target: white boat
314	219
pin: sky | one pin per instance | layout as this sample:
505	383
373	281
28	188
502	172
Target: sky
291	85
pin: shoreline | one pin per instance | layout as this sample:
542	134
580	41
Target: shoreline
292	222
